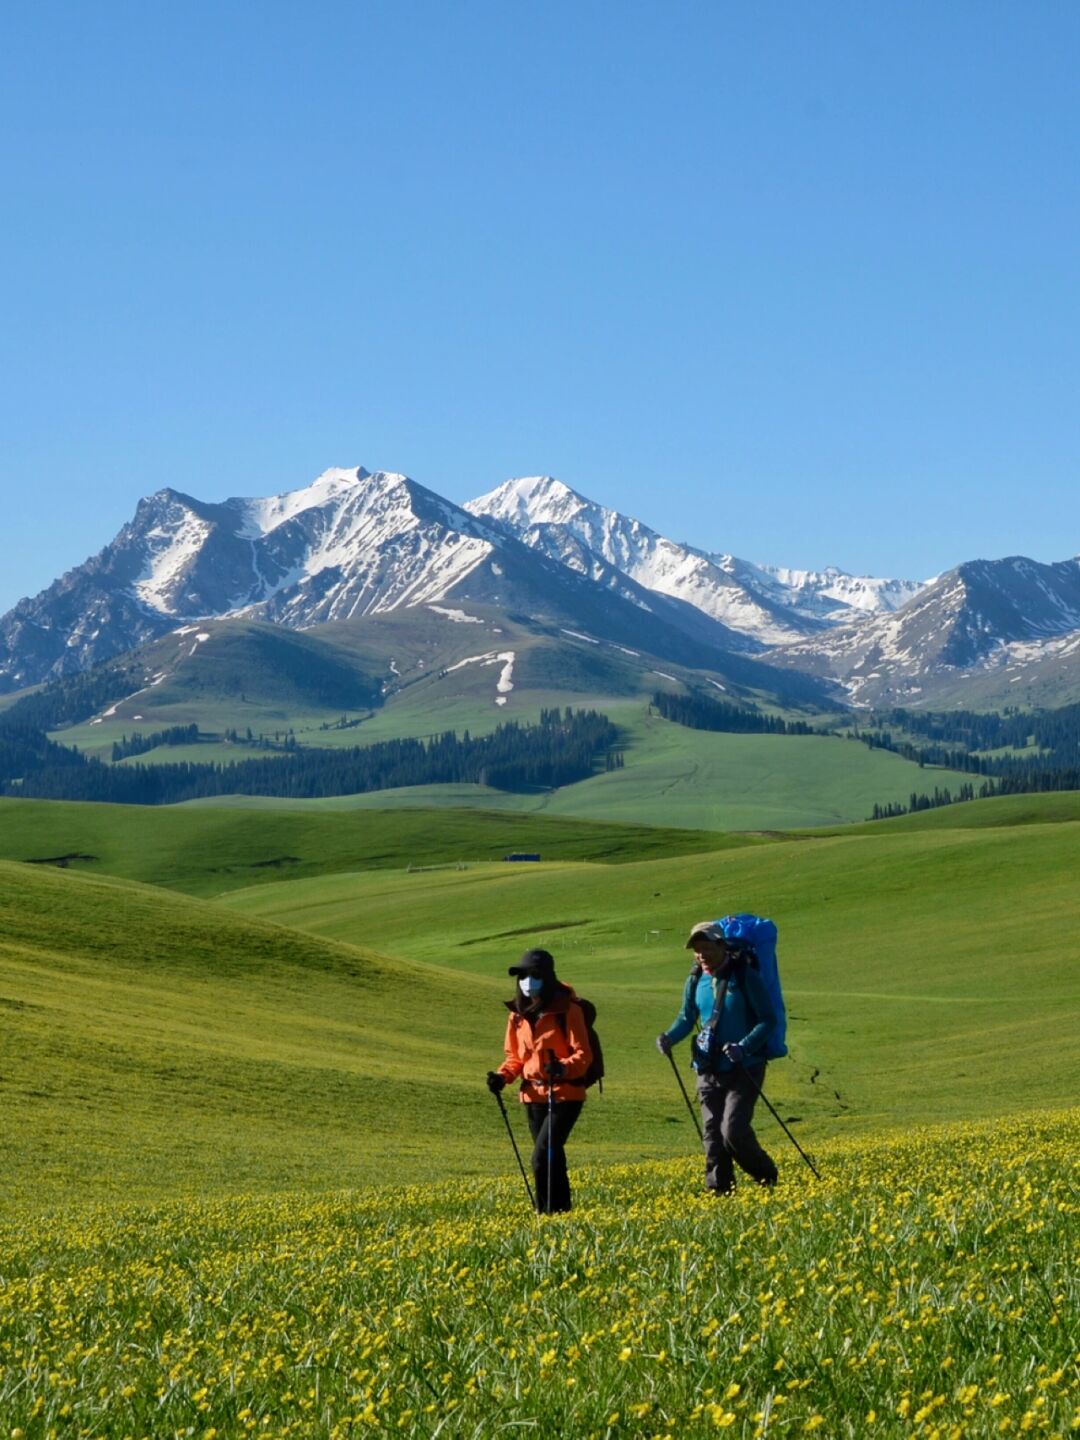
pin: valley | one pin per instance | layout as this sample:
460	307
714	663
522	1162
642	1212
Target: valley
245	1036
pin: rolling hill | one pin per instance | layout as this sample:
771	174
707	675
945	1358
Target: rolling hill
335	1029
203	850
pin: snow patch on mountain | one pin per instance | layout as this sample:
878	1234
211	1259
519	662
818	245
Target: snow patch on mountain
169	551
505	683
458	616
488	658
258	516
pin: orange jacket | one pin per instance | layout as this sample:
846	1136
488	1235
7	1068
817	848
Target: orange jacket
529	1043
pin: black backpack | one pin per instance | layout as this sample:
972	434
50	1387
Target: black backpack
595	1073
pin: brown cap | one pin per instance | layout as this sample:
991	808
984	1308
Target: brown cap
706	930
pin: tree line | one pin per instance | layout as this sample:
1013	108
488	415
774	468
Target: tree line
139	744
562	748
1053	732
74	698
701	712
1029	782
1049	738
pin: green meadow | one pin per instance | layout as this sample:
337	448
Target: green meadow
204	849
332	1029
253	1182
906	1293
695	779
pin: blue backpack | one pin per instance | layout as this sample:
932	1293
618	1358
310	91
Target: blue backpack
759	937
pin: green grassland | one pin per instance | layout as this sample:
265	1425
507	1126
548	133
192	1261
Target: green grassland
918	983
204	849
905	1293
156	1044
711	781
334	1030
251	1180
697	779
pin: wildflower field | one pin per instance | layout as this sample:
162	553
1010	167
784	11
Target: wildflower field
927	1286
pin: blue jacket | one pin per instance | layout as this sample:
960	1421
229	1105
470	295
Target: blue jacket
747	1018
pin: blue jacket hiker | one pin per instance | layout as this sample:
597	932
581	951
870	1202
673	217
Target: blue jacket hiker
726	999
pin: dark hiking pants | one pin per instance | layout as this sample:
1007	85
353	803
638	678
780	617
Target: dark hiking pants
564	1117
727	1107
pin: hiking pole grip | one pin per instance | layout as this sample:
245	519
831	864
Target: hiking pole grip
776	1117
686	1097
517	1152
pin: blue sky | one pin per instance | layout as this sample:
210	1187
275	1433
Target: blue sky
793	281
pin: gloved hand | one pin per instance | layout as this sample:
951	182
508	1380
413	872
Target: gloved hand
663	1044
495	1081
554	1069
734	1053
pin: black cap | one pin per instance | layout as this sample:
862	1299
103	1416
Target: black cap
534	962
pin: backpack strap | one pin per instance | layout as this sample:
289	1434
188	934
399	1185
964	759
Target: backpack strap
719	996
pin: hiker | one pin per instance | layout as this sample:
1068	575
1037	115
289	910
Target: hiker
726	997
547	1048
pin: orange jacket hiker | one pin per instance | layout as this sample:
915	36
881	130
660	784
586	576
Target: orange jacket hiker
546	1036
530	1041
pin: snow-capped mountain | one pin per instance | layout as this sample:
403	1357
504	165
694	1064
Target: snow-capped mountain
767	605
351	544
1008	616
830	595
355	543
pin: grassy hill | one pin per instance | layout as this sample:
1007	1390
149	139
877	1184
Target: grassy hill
697	779
411	672
334	1030
156	1044
417	672
918	984
204	849
997	812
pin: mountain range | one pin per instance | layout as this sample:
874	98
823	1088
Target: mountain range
356	543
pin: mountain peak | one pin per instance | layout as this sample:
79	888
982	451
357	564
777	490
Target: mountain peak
530	500
260	515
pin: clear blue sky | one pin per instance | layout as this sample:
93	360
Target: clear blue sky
798	281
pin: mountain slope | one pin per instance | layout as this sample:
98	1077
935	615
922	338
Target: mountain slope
355	545
763	604
986	624
350	545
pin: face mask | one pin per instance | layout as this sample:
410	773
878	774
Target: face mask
530	986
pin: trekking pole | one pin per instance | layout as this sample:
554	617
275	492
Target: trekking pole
685	1096
550	1123
517	1152
772	1110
